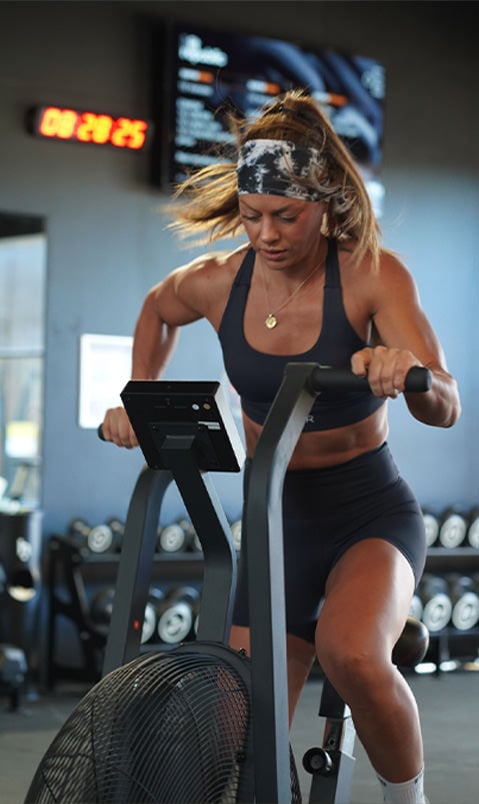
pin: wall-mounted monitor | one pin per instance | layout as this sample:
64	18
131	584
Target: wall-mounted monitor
200	74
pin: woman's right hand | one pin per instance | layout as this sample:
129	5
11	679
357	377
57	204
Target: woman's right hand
116	428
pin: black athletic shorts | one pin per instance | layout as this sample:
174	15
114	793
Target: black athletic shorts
326	511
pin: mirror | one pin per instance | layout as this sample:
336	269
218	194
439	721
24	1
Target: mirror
22	346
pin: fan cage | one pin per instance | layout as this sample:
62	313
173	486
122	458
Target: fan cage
166	728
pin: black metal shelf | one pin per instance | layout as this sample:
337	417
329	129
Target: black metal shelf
114	558
458	559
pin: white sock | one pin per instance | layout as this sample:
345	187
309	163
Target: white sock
411	792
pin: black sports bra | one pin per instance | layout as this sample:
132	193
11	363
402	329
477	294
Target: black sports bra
257	375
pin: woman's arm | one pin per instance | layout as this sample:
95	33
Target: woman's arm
167	306
407	339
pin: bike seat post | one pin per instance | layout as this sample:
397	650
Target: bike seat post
332	765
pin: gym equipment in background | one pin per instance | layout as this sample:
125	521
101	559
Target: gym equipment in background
20	547
13	671
464	596
174	538
473	530
102	538
202	696
452	529
437	605
431	526
187	450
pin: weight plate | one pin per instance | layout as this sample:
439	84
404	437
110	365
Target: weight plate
453	531
465	613
172	539
100	539
175	623
437	612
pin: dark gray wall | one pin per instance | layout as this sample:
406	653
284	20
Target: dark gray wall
106	235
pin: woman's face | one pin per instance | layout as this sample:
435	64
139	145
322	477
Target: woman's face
284	232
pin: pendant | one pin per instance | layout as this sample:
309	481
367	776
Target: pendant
271	321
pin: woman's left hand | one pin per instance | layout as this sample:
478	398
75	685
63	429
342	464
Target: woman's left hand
385	368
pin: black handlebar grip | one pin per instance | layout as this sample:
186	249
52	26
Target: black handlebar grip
418	379
100	433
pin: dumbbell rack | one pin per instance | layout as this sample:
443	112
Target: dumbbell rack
449	641
73	572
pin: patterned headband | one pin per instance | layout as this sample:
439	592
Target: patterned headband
269	167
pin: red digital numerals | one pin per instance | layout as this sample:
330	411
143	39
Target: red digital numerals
100	129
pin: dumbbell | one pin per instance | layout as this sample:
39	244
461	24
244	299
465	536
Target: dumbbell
437	605
173	538
431	525
473	529
98	539
453	528
176	615
465	601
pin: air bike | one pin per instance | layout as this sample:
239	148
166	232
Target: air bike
200	722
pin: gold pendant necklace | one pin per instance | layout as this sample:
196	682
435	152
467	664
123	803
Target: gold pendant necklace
271	320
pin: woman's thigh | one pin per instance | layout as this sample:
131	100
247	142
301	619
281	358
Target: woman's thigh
368	595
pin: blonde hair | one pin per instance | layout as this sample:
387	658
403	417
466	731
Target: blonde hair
206	202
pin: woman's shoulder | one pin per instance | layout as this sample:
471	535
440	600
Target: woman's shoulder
371	284
214	265
205	282
388	263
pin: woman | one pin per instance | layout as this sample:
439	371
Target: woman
312	284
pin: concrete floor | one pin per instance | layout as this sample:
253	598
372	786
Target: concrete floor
449	706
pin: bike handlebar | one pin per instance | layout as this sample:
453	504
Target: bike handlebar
324	378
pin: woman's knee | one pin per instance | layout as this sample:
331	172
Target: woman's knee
355	669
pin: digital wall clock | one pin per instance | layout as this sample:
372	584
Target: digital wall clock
57	123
